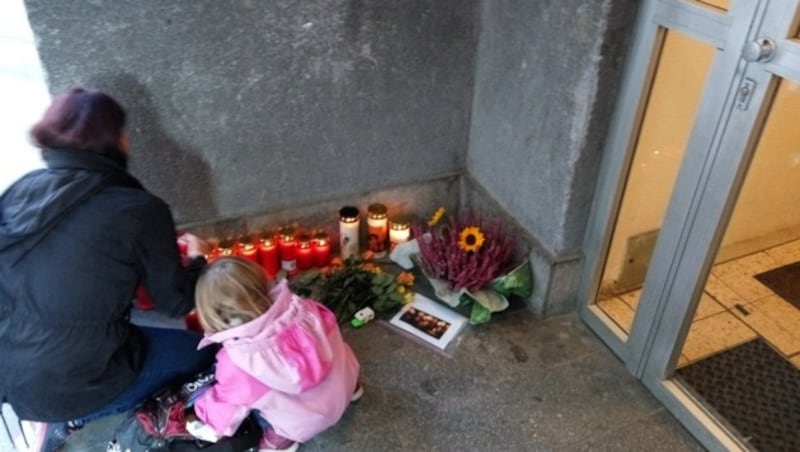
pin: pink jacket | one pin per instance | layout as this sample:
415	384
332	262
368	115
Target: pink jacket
291	364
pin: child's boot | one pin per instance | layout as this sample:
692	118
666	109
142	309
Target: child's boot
273	442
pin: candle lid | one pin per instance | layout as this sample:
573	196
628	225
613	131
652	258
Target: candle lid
401	222
304	240
287	233
225	246
246	242
377	211
267	240
348	214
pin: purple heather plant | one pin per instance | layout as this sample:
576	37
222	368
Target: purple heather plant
441	256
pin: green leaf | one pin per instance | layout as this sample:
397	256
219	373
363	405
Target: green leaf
479	314
519	281
383	279
489	299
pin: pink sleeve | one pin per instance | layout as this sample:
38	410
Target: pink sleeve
228	402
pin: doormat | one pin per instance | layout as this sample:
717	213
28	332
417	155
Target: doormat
784	281
755	390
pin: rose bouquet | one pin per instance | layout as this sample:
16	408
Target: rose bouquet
470	262
355	283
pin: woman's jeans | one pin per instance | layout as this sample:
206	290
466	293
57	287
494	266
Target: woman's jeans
171	357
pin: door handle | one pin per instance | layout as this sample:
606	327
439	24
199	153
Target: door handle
759	51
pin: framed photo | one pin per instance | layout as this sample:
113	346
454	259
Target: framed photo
429	321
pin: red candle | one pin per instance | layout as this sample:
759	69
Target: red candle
268	256
322	249
193	322
247	249
183	247
305	255
213	255
287	245
143	300
226	248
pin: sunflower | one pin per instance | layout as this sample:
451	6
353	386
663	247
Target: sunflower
437	216
470	239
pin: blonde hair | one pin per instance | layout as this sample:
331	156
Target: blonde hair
231	291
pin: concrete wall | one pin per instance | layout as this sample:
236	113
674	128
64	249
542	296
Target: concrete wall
245	107
249	114
545	86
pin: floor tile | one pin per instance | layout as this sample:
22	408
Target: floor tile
683	360
619	311
707	307
720	291
714	334
785	254
777	321
738	275
795	360
632	298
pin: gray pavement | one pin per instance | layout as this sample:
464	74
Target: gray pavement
515	384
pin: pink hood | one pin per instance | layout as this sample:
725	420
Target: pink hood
287	348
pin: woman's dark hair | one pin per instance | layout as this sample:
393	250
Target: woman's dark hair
83	120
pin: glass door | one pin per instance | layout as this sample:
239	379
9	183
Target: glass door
695	229
724	350
684	64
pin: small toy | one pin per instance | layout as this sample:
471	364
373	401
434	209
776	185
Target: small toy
362	317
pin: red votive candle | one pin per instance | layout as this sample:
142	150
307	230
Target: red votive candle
322	249
287	245
305	255
226	248
143	300
268	256
247	249
193	322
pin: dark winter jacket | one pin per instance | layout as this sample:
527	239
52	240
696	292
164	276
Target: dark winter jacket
76	240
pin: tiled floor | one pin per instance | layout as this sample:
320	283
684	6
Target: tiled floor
734	308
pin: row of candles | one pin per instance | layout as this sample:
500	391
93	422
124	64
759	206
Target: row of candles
292	252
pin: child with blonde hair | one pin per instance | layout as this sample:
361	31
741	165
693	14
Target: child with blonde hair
282	358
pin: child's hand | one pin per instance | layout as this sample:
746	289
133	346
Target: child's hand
189	415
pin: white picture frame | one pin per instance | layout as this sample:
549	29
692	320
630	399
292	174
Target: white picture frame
429	321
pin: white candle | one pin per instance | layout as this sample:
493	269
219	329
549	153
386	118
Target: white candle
349	224
399	232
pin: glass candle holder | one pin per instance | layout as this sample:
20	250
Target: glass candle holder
305	254
268	255
349	224
247	248
399	231
322	249
378	225
226	247
287	244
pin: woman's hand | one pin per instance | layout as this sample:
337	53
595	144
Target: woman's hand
195	246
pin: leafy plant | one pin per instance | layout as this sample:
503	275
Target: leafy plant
467	251
349	286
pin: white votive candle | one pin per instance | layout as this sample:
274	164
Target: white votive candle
349	224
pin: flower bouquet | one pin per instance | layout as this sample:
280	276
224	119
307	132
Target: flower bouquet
346	287
470	262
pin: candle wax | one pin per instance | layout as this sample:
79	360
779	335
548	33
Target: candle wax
305	258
